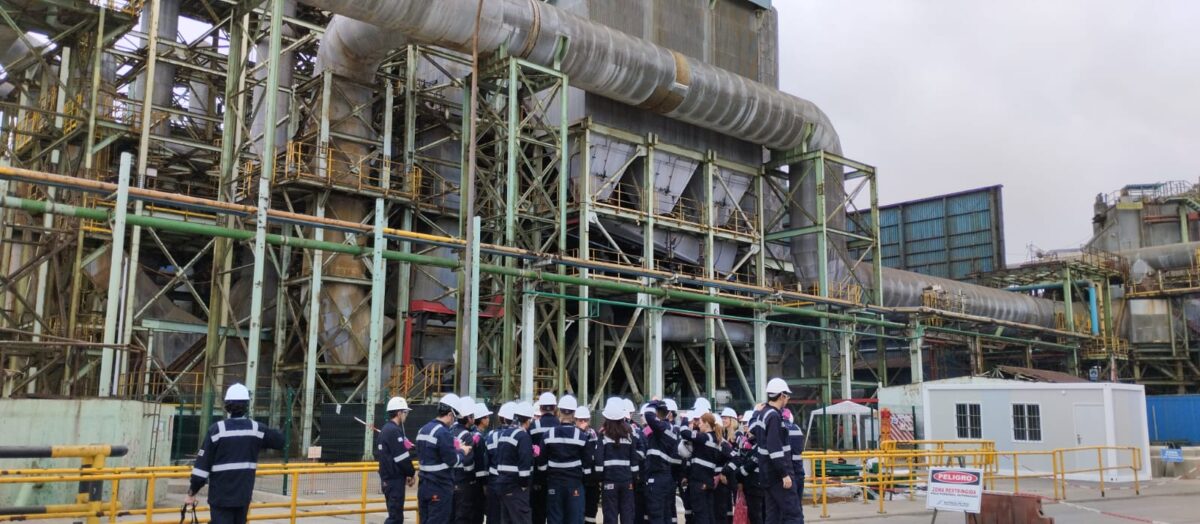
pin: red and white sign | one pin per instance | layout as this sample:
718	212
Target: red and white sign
958	490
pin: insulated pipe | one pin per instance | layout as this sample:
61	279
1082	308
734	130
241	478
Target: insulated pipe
192	228
1162	258
352	51
606	62
637	72
904	288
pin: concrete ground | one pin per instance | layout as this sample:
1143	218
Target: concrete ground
1161	501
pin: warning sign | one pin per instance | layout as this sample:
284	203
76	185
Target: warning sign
955	489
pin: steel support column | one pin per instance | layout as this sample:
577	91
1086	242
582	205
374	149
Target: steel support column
916	334
264	197
314	333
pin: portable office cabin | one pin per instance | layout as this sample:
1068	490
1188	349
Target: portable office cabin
1034	416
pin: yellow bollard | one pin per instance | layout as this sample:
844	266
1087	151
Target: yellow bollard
1016	473
363	515
295	494
149	498
1135	459
112	504
881	486
824	495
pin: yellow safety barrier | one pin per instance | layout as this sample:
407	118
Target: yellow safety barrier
873	473
882	472
110	510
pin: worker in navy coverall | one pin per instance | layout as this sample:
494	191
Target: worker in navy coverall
564	456
617	463
591	476
796	441
393	452
466	501
514	465
661	458
228	458
438	453
775	460
705	467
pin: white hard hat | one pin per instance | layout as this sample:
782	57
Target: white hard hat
629	406
583	413
720	423
568	403
481	410
697	413
729	412
523	409
776	386
646	408
236	393
397	404
671	405
702	404
746	415
612	412
465	407
547	399
506	410
614	403
450	400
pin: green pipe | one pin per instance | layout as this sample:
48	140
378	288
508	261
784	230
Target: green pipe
38	206
748	320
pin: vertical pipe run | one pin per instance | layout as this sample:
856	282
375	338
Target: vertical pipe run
375	341
471	353
528	351
112	306
314	323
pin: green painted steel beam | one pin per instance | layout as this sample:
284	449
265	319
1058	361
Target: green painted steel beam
38	206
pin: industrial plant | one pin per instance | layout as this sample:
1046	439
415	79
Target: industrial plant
338	202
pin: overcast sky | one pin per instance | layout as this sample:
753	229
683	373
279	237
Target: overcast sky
1055	100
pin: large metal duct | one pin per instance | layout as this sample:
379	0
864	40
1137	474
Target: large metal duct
1163	258
164	71
287	62
352	51
606	62
609	63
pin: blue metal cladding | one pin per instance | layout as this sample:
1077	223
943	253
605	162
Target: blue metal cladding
1174	418
951	236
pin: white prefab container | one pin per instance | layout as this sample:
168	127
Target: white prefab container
1035	416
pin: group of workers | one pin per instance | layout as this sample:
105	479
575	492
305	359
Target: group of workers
543	462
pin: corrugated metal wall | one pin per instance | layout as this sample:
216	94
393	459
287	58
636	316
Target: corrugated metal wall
949	236
1174	418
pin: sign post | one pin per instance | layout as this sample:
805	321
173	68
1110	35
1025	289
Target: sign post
955	489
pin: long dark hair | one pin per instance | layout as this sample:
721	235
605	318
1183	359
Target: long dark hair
616	429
